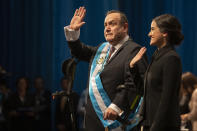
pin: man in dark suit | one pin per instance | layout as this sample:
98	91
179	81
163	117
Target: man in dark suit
109	68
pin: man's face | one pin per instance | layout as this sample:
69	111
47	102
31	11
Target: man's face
114	31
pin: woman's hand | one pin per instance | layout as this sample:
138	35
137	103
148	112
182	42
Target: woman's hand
137	57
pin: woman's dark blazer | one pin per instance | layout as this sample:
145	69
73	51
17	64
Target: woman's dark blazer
162	83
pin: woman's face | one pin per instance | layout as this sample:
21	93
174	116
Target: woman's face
157	38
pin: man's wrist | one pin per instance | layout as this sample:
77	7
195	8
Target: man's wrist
115	108
70	34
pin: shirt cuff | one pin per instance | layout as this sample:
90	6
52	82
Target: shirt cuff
70	34
115	108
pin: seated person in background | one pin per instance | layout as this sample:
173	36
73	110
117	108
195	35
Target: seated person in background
65	106
190	81
43	105
185	95
20	108
4	93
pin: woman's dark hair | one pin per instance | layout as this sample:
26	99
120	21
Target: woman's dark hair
169	24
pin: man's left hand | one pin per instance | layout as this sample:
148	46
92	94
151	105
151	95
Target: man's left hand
110	114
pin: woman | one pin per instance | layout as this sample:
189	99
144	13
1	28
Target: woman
160	108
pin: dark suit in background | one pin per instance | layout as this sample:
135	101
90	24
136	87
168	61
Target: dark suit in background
23	121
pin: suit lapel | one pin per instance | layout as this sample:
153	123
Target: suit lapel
119	50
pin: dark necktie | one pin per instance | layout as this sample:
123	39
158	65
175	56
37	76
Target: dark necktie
112	49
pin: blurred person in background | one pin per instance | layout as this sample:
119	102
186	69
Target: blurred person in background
42	105
19	107
4	93
189	82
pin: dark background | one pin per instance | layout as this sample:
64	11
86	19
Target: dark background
32	40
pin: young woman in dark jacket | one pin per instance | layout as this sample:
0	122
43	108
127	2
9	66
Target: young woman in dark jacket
160	108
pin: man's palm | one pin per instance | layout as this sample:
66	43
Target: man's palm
77	20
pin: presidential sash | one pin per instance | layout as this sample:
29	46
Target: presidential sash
99	98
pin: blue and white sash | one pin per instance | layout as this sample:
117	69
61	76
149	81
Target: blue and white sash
99	98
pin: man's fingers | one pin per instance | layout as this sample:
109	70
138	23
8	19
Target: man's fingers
112	116
109	115
105	116
76	12
80	25
83	13
81	10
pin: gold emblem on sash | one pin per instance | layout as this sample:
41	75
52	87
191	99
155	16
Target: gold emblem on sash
100	61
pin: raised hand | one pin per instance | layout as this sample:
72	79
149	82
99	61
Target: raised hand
77	20
137	57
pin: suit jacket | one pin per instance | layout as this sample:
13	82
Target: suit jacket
162	83
115	72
